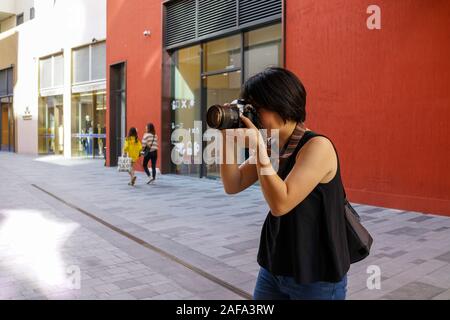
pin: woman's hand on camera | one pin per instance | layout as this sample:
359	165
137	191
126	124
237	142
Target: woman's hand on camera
256	144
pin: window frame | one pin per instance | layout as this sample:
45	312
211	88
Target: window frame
90	59
52	71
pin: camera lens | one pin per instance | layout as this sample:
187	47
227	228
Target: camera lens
221	117
214	116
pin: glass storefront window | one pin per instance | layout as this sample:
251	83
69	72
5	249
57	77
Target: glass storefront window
58	70
81	65
89	63
217	80
46	73
88	124
99	61
220	89
51	125
185	105
51	71
222	54
262	49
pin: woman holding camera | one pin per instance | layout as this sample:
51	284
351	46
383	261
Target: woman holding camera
303	252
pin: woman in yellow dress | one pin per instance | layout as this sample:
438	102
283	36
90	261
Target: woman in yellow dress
133	148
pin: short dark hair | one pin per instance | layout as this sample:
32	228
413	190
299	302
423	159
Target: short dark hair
279	90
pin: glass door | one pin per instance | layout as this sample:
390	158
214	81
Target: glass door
220	89
186	111
7	126
99	127
221	75
51	125
88	124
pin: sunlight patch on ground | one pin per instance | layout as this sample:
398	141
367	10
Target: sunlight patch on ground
35	242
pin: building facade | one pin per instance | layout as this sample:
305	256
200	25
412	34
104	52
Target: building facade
57	53
380	93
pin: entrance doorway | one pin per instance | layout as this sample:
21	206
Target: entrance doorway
117	112
88	124
6	124
220	88
51	125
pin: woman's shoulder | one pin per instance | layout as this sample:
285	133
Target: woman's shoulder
317	144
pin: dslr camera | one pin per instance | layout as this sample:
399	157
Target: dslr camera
228	116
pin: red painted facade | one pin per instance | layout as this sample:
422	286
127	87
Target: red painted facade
126	23
382	95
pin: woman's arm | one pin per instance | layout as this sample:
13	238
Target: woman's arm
313	163
236	178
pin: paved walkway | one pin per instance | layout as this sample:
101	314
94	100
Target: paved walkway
57	216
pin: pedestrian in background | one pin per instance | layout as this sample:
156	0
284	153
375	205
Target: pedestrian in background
150	144
133	148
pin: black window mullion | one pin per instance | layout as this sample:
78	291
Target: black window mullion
242	58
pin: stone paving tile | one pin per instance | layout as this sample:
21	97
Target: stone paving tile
415	291
195	220
445	257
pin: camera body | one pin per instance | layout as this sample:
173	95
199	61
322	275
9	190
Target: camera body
228	116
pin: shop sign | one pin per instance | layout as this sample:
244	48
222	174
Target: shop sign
27	115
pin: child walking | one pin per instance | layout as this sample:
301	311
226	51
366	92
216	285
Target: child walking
133	148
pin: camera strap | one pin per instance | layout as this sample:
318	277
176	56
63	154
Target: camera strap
293	141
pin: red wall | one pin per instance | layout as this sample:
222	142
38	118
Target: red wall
126	22
383	96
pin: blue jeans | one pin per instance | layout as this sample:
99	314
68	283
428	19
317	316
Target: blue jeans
271	287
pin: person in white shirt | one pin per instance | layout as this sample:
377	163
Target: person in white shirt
150	145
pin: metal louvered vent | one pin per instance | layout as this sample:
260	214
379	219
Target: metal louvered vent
214	16
190	21
256	10
180	22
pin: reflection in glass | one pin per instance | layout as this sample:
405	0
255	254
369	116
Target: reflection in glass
185	104
58	70
81	65
262	49
51	72
51	125
222	54
89	63
46	73
99	61
88	124
220	89
217	80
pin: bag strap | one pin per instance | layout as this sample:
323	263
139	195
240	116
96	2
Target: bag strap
151	145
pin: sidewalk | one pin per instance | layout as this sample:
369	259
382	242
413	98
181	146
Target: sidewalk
189	218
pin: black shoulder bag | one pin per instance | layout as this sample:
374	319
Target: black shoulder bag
358	238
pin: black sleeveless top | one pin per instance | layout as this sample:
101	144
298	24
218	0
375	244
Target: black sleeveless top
309	243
